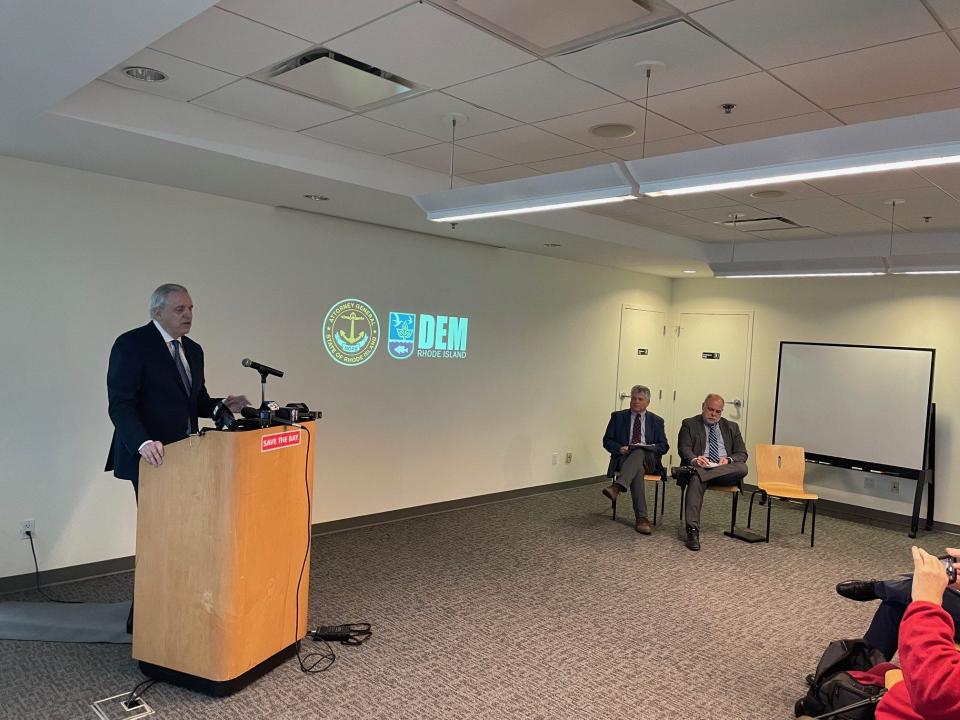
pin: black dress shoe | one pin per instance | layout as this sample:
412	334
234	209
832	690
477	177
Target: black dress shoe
860	590
693	538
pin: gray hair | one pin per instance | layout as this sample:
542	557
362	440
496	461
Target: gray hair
159	297
641	389
711	396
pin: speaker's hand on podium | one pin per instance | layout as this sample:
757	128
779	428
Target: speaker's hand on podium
152	452
236	403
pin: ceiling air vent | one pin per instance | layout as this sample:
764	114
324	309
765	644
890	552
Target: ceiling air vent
760	224
550	27
338	80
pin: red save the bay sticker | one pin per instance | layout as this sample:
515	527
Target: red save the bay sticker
278	441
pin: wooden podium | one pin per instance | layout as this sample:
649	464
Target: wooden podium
222	531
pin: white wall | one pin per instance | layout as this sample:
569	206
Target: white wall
80	253
917	311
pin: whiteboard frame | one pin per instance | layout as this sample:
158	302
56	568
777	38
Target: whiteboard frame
862	464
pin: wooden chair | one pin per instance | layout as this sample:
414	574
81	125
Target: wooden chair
662	478
780	471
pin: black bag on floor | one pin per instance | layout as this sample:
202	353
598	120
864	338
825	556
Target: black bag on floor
832	687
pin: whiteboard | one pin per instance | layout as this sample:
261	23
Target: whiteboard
860	403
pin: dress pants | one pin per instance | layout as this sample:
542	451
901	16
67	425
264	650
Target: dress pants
631	475
894	597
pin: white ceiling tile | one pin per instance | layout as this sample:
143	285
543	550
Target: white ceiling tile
690	57
825	213
689	6
723	214
909	67
266	104
426	114
782	32
912	105
533	92
511	172
524	144
228	42
792	191
689	202
799	233
919	202
312	20
640	214
362	133
773	128
872	182
437	157
945	176
758	97
185	80
577	127
429	47
684	143
573	162
948	10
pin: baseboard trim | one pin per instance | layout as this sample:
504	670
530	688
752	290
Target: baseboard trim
86	571
871	516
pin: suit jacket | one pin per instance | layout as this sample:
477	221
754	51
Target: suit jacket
147	400
692	441
618	435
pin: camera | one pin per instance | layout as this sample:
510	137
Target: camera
950	568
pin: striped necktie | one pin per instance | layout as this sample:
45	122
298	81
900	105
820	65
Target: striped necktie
713	443
184	376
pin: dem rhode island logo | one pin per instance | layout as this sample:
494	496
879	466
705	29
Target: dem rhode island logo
400	340
351	332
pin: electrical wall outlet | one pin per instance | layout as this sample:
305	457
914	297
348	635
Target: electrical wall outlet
569	457
553	459
27	526
894	487
869	483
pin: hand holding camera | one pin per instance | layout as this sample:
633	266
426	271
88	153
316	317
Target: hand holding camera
932	575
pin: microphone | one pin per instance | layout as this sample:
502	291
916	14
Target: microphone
263	369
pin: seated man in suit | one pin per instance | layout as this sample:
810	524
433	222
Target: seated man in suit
708	441
635	440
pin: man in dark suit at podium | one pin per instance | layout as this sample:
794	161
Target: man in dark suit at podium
155	385
708	442
636	440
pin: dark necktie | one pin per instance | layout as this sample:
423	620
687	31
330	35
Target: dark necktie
637	429
713	443
184	377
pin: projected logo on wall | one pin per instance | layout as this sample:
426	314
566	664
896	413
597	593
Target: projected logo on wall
351	332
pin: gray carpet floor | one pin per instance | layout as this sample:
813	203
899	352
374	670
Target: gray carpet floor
539	607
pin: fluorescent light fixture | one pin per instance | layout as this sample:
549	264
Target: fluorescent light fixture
883	145
942	263
808	268
574	188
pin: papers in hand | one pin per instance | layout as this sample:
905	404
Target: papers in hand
638	446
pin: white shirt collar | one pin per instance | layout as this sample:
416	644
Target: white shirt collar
167	337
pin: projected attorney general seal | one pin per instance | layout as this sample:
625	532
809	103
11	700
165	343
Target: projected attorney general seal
351	332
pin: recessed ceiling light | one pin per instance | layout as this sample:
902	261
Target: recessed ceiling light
614	131
767	194
318	198
144	74
690	272
552	245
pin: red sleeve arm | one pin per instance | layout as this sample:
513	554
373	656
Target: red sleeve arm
930	661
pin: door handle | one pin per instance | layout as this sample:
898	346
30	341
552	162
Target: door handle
737	403
624	396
